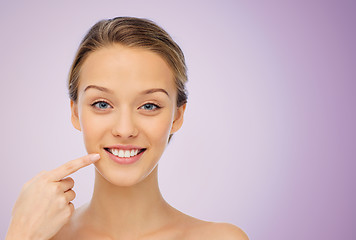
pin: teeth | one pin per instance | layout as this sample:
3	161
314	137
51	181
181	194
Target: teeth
124	153
127	153
115	151
121	153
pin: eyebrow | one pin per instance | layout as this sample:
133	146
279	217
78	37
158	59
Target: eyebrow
153	90
103	89
148	91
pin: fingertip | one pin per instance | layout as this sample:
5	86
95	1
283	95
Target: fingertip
94	157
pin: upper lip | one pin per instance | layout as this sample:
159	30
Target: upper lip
125	147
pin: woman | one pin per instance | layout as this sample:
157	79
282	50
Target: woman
128	97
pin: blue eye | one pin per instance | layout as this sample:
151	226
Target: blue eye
150	107
101	105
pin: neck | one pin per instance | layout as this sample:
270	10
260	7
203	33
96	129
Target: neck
123	210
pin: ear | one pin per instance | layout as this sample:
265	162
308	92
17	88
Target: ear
75	116
178	118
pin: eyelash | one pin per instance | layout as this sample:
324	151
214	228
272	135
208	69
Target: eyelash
101	101
156	107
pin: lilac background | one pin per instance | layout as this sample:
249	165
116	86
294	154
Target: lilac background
268	142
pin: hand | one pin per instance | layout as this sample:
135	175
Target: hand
44	204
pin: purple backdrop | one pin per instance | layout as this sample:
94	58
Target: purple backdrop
268	141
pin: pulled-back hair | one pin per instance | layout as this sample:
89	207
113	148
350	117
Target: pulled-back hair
131	32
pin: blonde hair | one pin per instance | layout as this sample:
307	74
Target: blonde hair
131	32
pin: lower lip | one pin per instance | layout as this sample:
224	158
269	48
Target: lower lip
125	160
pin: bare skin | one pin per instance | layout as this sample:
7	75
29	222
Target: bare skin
44	204
153	219
126	99
126	202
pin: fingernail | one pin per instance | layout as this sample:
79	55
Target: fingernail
94	157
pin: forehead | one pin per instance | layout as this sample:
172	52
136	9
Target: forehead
126	68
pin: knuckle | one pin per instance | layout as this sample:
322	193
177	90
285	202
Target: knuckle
43	175
56	188
69	167
62	200
83	161
38	181
43	172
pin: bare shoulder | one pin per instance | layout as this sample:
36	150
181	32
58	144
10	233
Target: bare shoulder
213	231
227	231
197	229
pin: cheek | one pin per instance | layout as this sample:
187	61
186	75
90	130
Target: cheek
98	128
158	128
93	128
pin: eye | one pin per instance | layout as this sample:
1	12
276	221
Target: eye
101	105
150	107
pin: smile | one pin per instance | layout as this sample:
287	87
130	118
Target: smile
124	153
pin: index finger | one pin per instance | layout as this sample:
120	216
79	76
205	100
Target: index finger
73	166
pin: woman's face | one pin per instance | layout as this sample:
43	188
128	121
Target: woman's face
126	109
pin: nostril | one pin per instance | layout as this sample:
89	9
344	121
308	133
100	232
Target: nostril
124	126
125	131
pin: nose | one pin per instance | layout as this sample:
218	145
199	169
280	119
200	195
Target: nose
124	125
